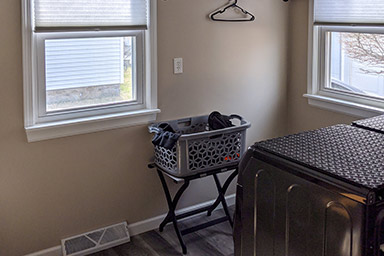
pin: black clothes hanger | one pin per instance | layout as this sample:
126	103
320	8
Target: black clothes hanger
231	4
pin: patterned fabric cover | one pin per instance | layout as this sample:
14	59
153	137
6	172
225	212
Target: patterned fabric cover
374	124
352	154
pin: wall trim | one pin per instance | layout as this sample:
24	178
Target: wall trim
142	226
343	106
53	251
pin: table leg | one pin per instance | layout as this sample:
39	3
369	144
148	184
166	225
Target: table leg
224	189
221	197
171	216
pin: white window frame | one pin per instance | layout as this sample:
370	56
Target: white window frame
318	92
79	121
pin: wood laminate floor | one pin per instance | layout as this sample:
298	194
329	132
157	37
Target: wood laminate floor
212	241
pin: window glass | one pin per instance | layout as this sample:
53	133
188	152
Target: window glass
87	72
357	63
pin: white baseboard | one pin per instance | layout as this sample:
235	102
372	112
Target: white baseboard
141	226
54	251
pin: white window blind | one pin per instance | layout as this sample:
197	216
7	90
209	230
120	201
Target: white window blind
70	14
369	12
75	63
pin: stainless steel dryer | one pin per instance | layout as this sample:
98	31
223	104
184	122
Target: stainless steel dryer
314	193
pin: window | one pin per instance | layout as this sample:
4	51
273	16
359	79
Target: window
346	57
88	65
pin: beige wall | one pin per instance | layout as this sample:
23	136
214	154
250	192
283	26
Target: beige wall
53	189
301	116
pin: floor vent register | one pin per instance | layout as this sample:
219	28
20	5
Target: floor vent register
95	241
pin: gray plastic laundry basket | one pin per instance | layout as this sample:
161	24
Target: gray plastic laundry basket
200	150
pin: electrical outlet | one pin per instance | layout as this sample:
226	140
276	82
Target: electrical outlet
178	65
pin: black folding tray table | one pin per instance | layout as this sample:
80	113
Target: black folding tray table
172	202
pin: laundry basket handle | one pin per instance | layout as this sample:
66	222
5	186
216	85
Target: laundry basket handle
233	116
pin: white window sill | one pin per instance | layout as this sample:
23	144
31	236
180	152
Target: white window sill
342	106
66	128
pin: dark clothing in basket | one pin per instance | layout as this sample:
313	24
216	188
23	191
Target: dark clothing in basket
218	121
166	137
